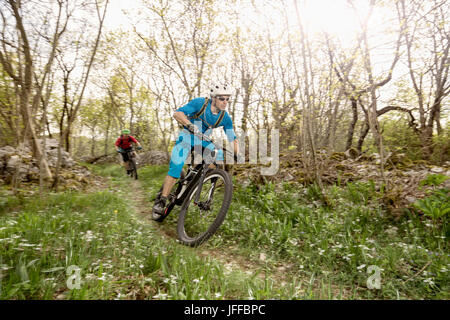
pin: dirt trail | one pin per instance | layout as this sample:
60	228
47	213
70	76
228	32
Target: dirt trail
280	274
230	260
144	210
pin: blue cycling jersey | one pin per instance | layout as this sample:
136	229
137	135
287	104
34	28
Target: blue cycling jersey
186	140
207	119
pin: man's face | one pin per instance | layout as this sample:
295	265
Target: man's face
125	135
221	102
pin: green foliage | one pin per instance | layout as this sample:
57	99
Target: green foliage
8	117
435	206
399	137
292	228
313	192
304	249
120	254
360	192
106	170
9	203
433	180
441	149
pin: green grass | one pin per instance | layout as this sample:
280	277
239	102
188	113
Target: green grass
341	243
119	255
288	244
333	248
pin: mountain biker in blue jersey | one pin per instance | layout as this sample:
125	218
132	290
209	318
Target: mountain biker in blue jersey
199	115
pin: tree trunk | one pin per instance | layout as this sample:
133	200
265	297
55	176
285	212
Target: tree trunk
362	136
108	125
351	128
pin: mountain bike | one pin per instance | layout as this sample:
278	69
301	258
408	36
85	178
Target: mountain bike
132	162
204	195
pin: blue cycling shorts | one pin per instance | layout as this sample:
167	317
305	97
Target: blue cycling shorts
185	142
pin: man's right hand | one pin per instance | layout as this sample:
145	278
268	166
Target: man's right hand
193	128
119	150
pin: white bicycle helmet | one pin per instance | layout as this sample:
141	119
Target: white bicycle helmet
220	90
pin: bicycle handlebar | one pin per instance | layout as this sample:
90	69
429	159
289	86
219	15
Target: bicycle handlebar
206	138
127	151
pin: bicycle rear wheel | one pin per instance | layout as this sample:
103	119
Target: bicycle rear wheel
197	222
133	169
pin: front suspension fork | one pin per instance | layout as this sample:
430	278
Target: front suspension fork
200	184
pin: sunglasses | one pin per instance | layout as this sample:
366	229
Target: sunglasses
224	99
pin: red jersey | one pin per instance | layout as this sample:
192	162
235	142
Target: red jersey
125	143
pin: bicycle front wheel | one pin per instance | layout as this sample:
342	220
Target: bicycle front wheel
199	221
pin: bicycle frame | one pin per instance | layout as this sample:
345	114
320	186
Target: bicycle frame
202	170
180	193
182	187
131	153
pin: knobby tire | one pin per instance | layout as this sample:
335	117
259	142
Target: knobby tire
220	216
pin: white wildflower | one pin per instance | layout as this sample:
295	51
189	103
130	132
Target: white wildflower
392	231
4	267
89	236
361	267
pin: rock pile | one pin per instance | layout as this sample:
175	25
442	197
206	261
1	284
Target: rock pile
109	158
153	157
403	175
19	165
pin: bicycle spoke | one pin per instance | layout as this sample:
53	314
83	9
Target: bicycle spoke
201	215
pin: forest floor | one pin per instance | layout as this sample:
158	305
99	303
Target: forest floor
277	242
230	258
